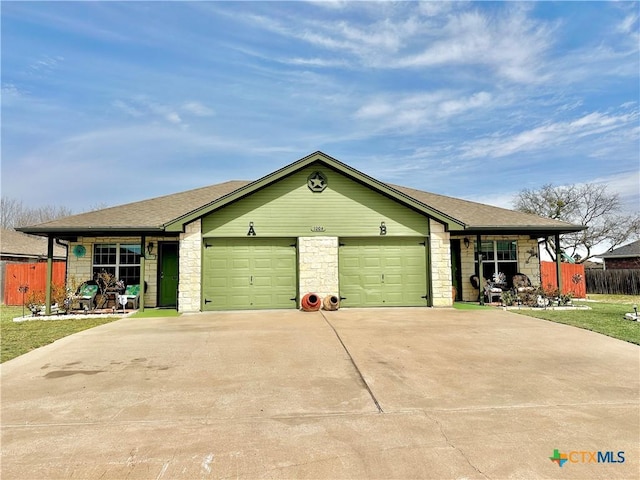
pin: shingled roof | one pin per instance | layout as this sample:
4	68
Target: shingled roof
479	216
626	251
20	245
145	216
168	213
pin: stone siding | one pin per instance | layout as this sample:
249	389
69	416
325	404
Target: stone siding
79	270
526	265
190	253
318	266
441	282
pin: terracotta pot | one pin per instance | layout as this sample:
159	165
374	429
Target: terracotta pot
311	302
331	302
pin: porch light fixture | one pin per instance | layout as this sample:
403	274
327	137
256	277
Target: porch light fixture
383	228
466	242
532	254
251	232
149	248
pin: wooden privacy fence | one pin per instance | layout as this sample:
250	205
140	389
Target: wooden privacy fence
34	275
622	282
573	278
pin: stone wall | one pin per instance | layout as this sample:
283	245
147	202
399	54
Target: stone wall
79	269
190	253
318	266
528	266
440	265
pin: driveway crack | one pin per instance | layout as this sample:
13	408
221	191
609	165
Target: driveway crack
457	449
355	365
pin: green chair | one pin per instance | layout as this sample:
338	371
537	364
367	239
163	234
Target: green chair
132	295
86	296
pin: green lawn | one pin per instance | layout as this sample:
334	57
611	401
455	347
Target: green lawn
606	316
156	312
470	306
19	338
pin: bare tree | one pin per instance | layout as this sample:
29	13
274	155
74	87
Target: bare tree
589	205
14	213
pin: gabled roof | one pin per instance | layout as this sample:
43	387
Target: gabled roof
626	251
168	214
20	245
317	157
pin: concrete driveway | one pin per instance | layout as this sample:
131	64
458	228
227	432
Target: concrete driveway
358	393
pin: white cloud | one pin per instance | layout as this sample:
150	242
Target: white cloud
629	24
142	107
127	108
198	109
416	110
513	45
545	136
46	64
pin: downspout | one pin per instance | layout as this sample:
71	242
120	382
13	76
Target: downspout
143	241
47	302
66	259
558	262
479	268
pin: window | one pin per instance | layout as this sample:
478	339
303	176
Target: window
499	256
119	259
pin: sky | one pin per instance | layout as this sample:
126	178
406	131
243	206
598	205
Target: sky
105	103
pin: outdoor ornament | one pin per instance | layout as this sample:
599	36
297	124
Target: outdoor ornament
632	316
23	289
122	299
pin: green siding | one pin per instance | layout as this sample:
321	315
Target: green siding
289	208
249	273
383	272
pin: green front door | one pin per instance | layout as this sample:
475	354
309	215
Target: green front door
168	274
249	273
388	271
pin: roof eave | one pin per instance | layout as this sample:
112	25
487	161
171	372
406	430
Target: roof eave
525	229
89	231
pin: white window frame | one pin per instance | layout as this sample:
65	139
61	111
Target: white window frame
97	267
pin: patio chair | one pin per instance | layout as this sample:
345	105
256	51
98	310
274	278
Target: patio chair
491	291
522	284
131	295
86	296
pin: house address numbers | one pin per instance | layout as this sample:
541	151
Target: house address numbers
317	228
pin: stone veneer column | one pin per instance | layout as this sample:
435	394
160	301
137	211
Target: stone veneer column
439	243
189	288
318	265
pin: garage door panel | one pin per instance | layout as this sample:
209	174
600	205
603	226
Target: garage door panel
383	272
247	273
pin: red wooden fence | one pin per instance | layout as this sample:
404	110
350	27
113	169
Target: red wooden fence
34	275
573	278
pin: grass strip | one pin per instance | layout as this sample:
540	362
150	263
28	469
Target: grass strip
19	338
605	318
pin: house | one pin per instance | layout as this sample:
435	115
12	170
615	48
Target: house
316	225
625	257
20	247
18	254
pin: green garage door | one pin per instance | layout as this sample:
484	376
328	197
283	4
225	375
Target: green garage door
383	272
248	273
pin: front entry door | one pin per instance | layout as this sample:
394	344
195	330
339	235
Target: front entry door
168	274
